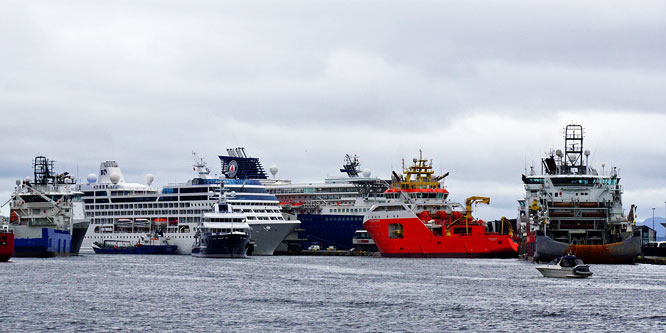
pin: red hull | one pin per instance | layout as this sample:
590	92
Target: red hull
6	246
416	240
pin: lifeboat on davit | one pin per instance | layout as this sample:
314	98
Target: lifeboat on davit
419	221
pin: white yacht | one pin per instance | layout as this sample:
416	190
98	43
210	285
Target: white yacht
222	233
126	211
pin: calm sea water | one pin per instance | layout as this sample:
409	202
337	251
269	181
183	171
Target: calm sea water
181	293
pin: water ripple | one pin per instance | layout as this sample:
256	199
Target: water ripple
183	294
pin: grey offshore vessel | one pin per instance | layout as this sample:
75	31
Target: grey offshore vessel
571	208
46	213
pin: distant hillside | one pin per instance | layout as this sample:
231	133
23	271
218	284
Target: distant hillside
657	225
657	222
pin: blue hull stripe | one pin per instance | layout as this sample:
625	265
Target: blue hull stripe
52	243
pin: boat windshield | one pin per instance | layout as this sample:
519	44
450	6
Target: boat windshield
570	262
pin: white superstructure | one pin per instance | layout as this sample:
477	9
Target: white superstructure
124	211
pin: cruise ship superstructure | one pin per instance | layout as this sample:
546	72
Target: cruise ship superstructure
127	211
571	208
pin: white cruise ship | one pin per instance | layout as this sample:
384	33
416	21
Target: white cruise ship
331	212
125	211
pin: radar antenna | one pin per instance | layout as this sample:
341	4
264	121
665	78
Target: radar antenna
199	164
351	166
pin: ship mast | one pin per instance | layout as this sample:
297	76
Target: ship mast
572	163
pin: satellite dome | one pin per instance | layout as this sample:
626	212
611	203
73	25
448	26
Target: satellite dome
223	176
18	182
115	178
587	152
92	178
149	179
28	179
273	170
559	153
415	160
366	173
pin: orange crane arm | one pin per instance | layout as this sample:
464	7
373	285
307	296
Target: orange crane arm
472	200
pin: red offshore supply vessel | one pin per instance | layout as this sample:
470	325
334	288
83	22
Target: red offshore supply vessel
6	243
417	220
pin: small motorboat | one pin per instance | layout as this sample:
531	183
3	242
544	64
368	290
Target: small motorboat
565	267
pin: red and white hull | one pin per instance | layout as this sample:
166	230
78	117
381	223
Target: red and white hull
6	245
416	240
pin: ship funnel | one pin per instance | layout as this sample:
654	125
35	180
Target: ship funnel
107	169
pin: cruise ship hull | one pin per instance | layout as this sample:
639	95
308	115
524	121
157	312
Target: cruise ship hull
330	230
624	252
222	246
41	242
266	237
418	241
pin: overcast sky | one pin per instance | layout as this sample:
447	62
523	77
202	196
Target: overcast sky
483	88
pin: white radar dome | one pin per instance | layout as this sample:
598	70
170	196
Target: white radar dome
149	179
115	177
415	160
273	170
559	153
92	178
366	173
587	152
28	179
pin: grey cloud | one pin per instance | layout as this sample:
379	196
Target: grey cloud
483	89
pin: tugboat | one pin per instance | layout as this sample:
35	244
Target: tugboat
565	267
151	244
222	233
419	221
42	213
571	208
6	243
